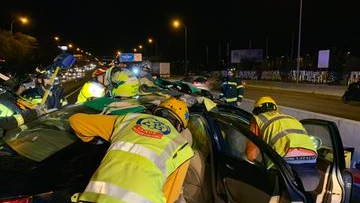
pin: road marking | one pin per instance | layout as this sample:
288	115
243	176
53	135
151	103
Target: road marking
73	92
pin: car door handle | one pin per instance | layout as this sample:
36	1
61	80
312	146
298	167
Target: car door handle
229	167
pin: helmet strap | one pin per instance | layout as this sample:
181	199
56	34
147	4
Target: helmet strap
264	108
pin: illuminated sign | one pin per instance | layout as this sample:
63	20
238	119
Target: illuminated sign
126	57
137	57
323	60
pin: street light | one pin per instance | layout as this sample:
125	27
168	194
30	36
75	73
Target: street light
299	40
118	53
77	49
143	48
135	50
177	24
70	45
23	20
56	38
150	40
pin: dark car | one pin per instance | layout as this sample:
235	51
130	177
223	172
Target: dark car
352	93
200	82
43	161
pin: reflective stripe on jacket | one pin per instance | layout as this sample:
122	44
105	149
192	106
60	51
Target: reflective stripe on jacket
7	112
144	151
283	133
232	90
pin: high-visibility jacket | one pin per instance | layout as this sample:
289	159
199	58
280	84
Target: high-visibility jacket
7	112
144	151
11	116
284	134
147	86
90	89
232	90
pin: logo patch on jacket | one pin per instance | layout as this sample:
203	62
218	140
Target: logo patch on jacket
151	127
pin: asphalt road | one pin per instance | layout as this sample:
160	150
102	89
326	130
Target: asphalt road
72	88
324	104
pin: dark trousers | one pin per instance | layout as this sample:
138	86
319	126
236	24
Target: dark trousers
231	103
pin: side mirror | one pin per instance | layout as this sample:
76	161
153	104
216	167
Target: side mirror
317	141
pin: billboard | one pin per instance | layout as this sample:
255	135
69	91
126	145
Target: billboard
246	54
323	59
126	57
130	57
137	57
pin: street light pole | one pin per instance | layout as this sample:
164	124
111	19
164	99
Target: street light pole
156	48
22	19
150	40
185	49
298	50
11	27
177	24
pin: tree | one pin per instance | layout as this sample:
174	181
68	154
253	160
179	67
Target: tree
20	51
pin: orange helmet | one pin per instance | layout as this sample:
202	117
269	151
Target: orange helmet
99	71
175	110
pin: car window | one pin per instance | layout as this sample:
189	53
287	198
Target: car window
45	136
236	142
322	139
200	134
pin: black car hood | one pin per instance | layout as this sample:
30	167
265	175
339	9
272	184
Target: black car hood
71	167
14	169
12	163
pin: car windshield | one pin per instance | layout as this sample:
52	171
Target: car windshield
45	136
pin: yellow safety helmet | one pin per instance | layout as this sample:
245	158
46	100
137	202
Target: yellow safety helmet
123	83
91	90
264	104
175	110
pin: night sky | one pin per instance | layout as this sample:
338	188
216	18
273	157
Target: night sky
106	26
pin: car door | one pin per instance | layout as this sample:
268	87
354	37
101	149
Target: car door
239	180
335	182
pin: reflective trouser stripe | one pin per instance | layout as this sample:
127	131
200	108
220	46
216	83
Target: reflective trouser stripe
284	133
240	96
141	151
115	191
231	99
230	83
239	86
267	122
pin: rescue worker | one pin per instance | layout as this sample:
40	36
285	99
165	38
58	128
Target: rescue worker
56	95
287	136
94	88
232	90
99	75
145	151
11	116
147	82
121	81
